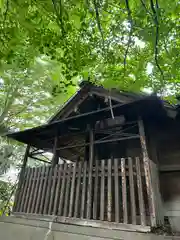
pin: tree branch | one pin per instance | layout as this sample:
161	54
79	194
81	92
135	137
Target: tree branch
156	22
98	21
130	20
59	15
144	5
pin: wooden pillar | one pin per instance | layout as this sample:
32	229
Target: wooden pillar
55	152
91	157
17	201
148	176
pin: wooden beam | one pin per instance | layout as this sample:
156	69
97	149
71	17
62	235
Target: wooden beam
147	170
99	142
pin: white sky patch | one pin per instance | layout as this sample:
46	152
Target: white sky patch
149	68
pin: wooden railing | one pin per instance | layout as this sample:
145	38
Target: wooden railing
111	190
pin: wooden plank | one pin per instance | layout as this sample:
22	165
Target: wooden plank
148	177
42	172
21	199
102	190
52	194
66	201
109	204
76	210
124	191
140	192
83	196
89	188
95	201
132	194
61	201
36	190
72	190
58	188
116	185
43	195
48	190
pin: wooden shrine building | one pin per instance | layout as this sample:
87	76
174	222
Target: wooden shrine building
114	161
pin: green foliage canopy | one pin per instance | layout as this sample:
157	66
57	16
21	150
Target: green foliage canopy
128	44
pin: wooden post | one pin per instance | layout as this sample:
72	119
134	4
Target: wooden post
116	183
55	155
17	201
148	177
89	190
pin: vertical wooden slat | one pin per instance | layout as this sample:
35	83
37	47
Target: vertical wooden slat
95	190
21	200
83	196
66	200
72	190
61	200
124	190
132	194
48	190
34	171
102	190
148	177
36	189
52	194
78	189
140	192
42	172
89	188
116	183
109	204
43	195
58	188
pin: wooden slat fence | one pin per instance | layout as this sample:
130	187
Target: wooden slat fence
114	190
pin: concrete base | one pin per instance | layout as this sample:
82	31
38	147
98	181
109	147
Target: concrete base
14	228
